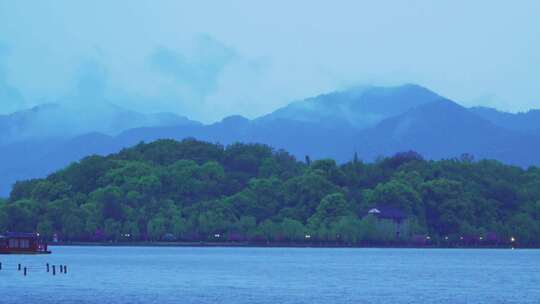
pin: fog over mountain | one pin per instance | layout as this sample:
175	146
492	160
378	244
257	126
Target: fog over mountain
361	107
63	121
369	121
240	58
299	134
71	86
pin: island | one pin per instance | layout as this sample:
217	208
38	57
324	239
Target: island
196	192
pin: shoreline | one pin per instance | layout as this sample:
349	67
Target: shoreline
271	245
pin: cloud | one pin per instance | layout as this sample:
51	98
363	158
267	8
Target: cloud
208	80
195	72
10	98
91	82
151	59
170	79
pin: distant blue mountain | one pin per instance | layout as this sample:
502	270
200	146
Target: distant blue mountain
360	107
444	129
50	121
369	121
524	121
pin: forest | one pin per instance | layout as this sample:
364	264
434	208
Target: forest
195	191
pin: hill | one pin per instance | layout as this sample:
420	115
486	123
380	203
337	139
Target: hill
369	121
198	191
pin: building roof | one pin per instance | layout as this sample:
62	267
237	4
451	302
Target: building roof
387	212
22	235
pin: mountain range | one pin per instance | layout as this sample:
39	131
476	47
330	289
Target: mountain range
369	121
53	121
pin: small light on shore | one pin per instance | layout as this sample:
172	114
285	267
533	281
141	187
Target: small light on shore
217	235
481	238
512	239
428	237
308	236
446	238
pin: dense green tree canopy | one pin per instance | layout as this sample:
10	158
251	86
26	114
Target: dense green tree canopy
197	191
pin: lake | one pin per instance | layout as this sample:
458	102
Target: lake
274	275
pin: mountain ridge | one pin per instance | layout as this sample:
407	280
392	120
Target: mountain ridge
55	120
432	125
360	107
523	121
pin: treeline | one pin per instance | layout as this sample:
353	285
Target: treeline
198	191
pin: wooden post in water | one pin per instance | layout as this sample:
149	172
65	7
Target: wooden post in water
19	267
47	267
53	269
0	265
61	268
24	271
65	269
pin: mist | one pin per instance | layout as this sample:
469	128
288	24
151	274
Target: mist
250	59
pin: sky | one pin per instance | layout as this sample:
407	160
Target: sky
211	59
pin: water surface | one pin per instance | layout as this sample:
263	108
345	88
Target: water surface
274	275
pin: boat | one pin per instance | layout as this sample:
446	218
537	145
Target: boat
22	243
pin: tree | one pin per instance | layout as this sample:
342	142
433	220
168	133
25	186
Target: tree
180	226
84	176
266	195
94	220
394	193
3	217
110	200
21	215
156	228
45	229
329	169
524	229
247	226
446	205
305	192
72	227
332	207
293	230
375	230
131	230
347	229
270	230
112	229
211	176
195	190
